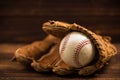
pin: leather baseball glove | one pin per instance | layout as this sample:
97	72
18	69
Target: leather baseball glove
44	56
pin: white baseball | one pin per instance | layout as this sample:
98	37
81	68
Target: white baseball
76	50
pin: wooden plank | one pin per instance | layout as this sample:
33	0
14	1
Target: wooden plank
38	20
32	8
40	11
111	3
21	39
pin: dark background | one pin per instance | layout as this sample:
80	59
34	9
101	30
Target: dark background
21	20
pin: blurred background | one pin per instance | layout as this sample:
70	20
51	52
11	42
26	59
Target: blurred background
21	20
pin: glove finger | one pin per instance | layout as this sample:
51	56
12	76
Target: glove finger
35	50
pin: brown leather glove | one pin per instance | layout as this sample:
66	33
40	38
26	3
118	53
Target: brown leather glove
50	58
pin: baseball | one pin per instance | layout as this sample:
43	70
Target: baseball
76	50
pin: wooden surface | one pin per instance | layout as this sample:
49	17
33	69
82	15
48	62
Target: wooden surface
21	20
15	71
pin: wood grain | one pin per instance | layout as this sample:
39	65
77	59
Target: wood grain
21	20
15	71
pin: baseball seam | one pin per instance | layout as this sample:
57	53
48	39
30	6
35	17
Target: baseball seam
64	44
77	50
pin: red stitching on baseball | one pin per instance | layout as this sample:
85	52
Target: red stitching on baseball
64	43
77	50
